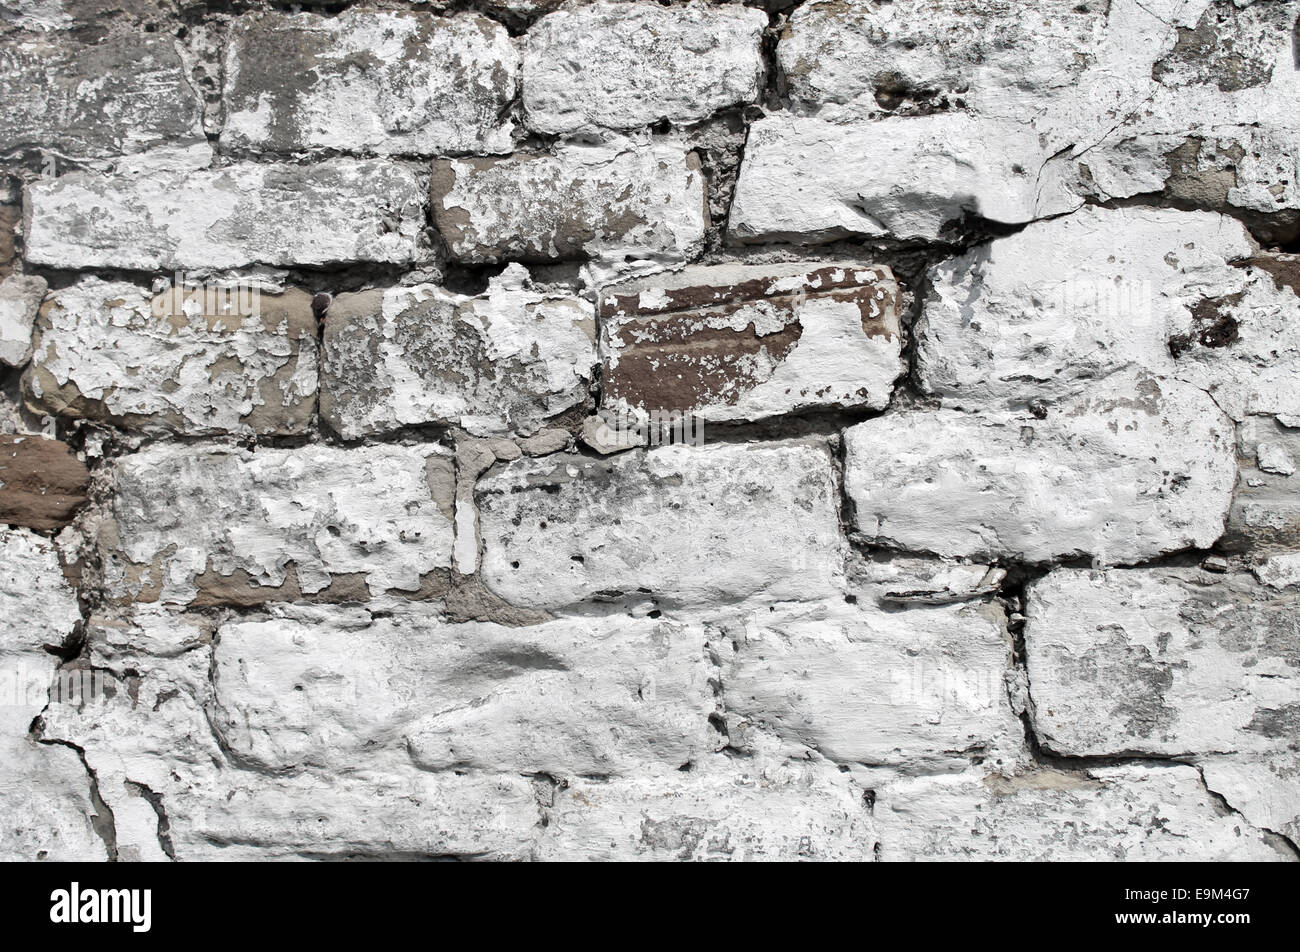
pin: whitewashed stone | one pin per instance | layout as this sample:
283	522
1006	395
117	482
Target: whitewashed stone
743	811
1265	791
369	81
1044	313
1138	467
1214	129
1155	661
504	361
746	342
624	65
613	201
1280	571
156	736
806	179
1265	516
1273	458
20	298
921	688
197	361
154	216
345	691
125	93
706	525
246	527
44	788
859	60
1126	814
1183	103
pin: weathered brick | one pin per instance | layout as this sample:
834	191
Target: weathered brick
20	298
602	697
160	218
1131	813
1157	661
125	93
745	811
369	81
676	523
42	483
503	361
196	526
625	65
583	201
201	360
1137	467
737	342
914	688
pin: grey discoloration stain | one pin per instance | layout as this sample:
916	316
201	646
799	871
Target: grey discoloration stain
126	93
369	81
1215	51
575	204
1127	682
505	361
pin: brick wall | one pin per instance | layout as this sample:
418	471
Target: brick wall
650	430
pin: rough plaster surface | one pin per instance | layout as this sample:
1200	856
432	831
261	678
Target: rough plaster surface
623	430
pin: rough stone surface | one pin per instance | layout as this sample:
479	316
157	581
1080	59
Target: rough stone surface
1265	515
625	65
20	297
42	483
155	217
196	360
696	430
44	789
746	342
601	697
854	59
1044	313
1263	790
1132	814
1156	661
1136	468
369	82
1184	104
241	527
154	734
126	93
794	812
507	360
675	523
919	688
614	200
810	180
